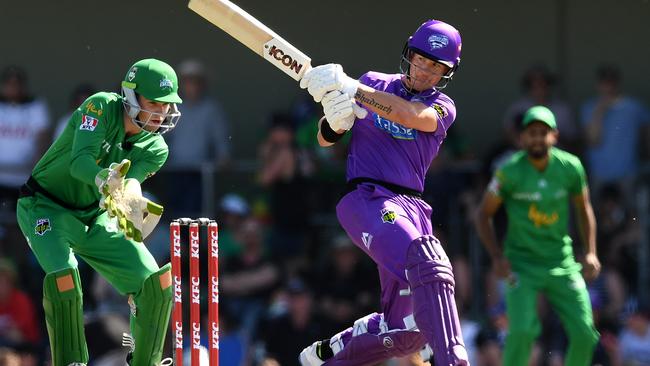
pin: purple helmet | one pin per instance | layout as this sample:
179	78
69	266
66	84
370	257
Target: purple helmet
438	41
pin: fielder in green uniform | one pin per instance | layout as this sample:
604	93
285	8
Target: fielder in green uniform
83	199
536	186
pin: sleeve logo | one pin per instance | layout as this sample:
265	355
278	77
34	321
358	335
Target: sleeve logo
441	110
88	123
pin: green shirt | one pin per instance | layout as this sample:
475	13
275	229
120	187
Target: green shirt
537	207
93	139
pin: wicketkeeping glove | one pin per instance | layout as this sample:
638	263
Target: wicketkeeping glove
122	198
325	78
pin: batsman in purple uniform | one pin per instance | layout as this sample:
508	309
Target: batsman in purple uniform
398	123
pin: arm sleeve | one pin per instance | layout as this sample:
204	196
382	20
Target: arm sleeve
499	184
90	132
148	161
580	181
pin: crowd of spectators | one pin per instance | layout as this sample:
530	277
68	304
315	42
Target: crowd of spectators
288	274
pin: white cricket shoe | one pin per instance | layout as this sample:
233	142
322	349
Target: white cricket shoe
309	356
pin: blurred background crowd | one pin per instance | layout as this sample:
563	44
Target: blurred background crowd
288	274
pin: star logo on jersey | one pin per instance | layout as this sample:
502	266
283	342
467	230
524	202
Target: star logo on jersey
88	123
542	183
438	41
42	226
366	238
388	216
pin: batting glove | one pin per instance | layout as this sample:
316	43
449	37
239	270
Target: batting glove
341	110
325	78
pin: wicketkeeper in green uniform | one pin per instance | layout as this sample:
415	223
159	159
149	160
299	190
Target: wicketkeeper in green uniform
83	198
536	186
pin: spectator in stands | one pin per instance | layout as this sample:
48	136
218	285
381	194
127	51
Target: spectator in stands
614	123
204	143
8	357
80	93
347	287
24	133
18	317
284	335
234	211
539	88
281	174
633	345
248	280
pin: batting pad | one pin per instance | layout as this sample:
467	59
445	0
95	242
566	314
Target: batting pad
63	306
153	306
430	276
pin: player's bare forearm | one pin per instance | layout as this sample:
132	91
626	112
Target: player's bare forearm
586	221
483	222
487	234
409	114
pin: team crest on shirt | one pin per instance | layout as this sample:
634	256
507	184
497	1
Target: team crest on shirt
42	226
437	41
394	129
388	216
88	123
441	110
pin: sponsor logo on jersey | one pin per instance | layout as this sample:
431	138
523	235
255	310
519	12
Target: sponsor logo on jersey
437	41
88	123
441	110
540	218
42	226
166	84
395	129
388	216
90	108
527	196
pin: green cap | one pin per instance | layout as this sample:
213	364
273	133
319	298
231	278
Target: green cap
541	114
154	80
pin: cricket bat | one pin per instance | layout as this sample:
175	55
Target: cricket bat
254	35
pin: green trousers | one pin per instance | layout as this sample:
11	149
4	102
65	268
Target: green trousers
56	235
567	294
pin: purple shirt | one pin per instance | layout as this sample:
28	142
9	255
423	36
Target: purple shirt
385	150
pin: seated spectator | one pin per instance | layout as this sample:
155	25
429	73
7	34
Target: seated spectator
346	288
9	358
614	124
18	317
248	279
283	336
634	339
234	211
80	93
538	86
282	175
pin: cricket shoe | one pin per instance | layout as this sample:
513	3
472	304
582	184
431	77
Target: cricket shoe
309	356
128	341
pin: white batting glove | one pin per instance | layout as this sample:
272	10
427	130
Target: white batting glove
341	110
325	78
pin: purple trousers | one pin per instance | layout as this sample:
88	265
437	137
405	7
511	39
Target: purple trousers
384	225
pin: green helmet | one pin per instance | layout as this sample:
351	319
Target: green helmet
156	81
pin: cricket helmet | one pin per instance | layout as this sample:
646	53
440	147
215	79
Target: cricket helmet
437	41
155	80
